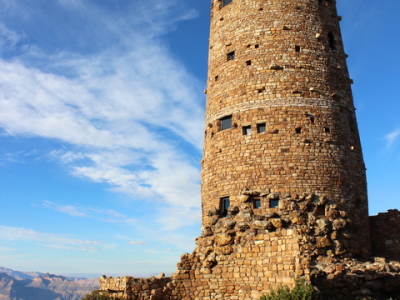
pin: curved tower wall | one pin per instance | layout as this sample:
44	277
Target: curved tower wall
277	68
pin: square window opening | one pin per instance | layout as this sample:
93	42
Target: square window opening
248	63
261	127
226	122
273	203
256	203
246	130
230	55
226	2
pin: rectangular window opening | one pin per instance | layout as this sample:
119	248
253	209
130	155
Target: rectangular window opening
256	203
327	129
261	127
230	55
226	122
226	2
224	206
246	130
297	48
273	203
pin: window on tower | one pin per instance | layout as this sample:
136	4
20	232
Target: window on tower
226	122
230	55
226	2
224	206
246	130
331	41
261	127
273	203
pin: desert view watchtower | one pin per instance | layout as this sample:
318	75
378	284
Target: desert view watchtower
283	178
280	118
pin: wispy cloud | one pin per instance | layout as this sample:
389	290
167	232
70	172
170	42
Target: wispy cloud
392	138
138	243
60	241
127	109
67	209
97	213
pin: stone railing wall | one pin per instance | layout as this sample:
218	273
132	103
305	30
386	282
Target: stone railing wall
385	233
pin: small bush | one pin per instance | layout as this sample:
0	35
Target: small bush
100	295
301	291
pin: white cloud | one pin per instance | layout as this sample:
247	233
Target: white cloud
392	138
97	213
24	234
138	243
67	209
125	111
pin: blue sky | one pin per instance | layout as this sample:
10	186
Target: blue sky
101	121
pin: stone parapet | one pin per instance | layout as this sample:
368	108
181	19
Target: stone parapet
385	233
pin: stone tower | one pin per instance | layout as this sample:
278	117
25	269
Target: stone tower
283	178
280	120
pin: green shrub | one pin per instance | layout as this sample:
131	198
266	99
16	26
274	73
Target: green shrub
301	291
100	295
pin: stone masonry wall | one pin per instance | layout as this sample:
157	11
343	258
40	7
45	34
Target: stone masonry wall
385	233
246	254
277	68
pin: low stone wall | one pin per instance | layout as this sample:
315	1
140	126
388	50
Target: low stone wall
245	255
352	279
153	288
385	234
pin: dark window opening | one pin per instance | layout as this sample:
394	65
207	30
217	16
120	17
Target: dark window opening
256	203
273	203
230	55
261	128
256	46
297	48
352	122
331	41
320	210
224	206
248	63
216	78
327	129
226	2
298	130
312	120
226	122
246	130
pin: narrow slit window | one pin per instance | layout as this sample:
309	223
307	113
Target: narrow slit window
312	120
261	127
216	78
331	41
226	122
246	130
273	203
226	2
224	206
297	48
230	55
